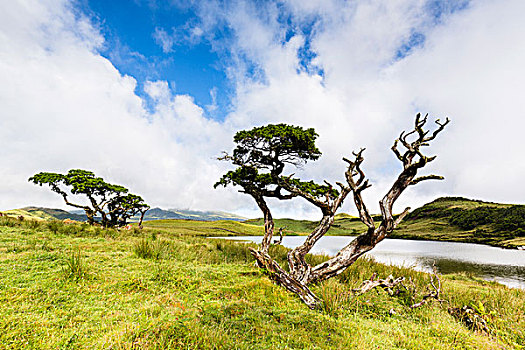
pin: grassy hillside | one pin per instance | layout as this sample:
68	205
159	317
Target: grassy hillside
464	220
167	287
445	219
344	224
39	213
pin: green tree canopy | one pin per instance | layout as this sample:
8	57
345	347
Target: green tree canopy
112	203
261	155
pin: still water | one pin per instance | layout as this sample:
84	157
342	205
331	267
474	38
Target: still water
490	263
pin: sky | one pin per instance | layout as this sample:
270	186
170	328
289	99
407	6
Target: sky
148	93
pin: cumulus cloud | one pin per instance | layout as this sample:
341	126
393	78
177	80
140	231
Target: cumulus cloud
64	106
352	70
375	76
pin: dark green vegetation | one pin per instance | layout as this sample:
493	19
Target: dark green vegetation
167	286
113	204
445	219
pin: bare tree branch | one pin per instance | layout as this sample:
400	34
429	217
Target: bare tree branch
401	216
426	177
387	284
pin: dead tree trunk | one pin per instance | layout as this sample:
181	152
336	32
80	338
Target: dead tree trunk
301	273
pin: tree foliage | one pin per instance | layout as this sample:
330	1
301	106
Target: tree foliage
261	155
112	203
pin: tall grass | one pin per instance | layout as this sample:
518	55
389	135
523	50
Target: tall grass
9	222
75	268
150	249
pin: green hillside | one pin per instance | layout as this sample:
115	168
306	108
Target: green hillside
445	219
464	220
39	213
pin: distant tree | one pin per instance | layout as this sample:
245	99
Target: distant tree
261	156
112	203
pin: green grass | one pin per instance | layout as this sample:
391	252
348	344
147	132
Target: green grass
201	293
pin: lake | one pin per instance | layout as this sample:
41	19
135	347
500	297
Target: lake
505	266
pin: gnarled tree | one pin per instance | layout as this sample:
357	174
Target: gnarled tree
261	156
112	203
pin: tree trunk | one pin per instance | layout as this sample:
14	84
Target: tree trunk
299	268
282	278
268	224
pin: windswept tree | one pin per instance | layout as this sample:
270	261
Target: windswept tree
261	156
112	203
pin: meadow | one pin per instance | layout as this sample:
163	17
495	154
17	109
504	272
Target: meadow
168	286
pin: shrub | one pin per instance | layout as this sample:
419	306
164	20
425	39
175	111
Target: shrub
9	222
32	224
503	219
54	226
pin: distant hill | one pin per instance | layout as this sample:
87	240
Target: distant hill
466	220
158	214
445	219
39	213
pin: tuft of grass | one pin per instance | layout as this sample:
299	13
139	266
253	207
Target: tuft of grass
53	226
147	249
334	295
31	224
75	268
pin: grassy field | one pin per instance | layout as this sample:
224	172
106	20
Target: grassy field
167	286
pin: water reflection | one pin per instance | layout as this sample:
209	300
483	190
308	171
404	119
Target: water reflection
490	263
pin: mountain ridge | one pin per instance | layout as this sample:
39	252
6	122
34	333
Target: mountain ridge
42	213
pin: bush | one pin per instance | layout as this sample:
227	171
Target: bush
31	224
54	226
503	219
9	222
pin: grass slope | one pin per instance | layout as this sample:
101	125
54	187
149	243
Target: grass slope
39	213
152	214
458	219
168	287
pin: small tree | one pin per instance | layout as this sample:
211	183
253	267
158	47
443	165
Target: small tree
261	155
112	203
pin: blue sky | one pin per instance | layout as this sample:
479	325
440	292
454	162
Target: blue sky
151	40
129	29
149	93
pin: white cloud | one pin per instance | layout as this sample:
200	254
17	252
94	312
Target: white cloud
164	40
65	106
470	68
